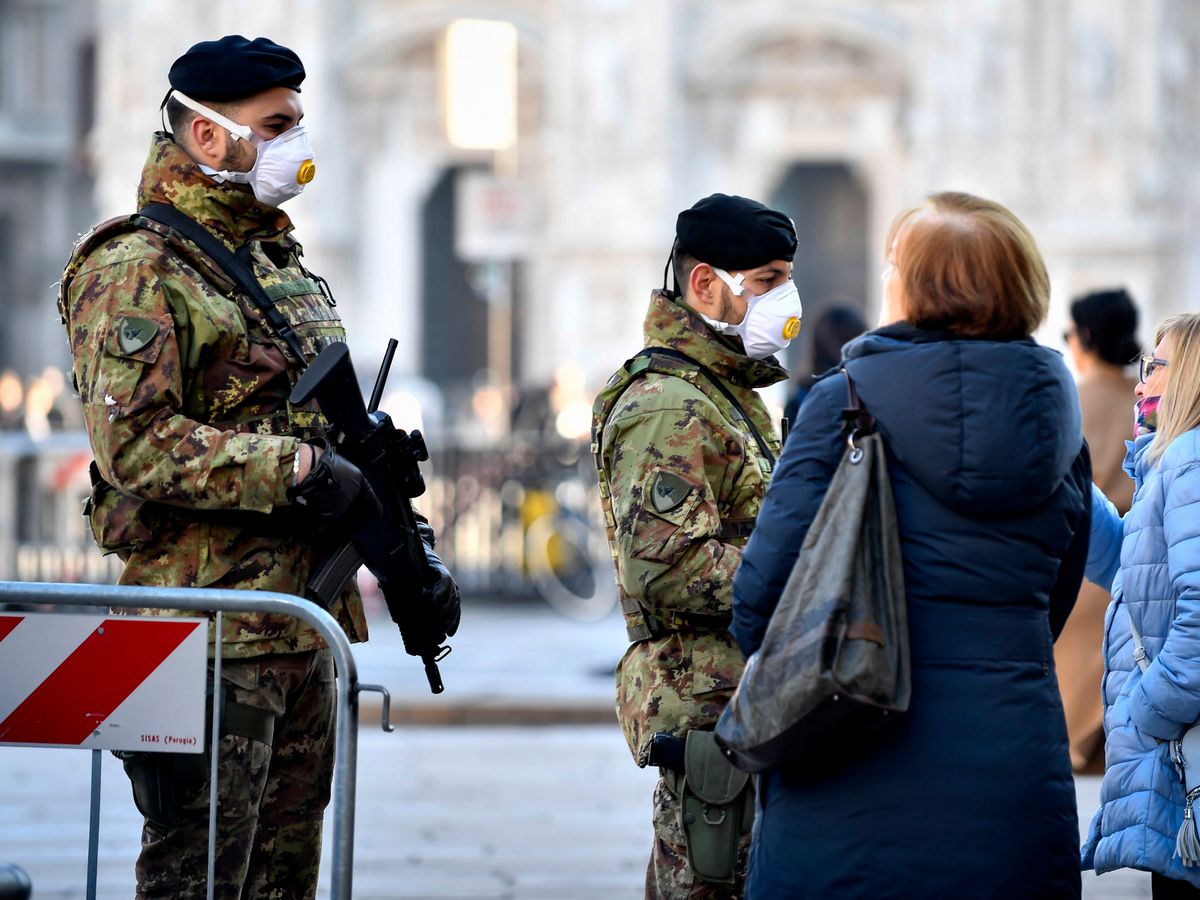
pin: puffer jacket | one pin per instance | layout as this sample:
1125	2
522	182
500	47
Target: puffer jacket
1152	560
969	794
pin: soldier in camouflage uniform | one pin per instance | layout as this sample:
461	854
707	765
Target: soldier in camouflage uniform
204	473
684	449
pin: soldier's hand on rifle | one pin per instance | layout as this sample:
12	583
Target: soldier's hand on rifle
332	488
441	594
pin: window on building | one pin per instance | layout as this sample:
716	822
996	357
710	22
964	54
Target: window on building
7	288
833	265
25	55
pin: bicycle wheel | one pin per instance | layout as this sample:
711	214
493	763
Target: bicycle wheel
568	566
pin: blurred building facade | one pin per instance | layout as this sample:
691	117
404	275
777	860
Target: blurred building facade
47	53
498	182
1075	113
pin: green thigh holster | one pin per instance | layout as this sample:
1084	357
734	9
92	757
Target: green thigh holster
716	808
161	780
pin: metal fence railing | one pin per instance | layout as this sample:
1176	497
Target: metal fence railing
518	517
219	602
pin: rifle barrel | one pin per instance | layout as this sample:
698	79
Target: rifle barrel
382	377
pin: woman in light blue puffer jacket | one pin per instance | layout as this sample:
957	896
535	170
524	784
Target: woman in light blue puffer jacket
1152	561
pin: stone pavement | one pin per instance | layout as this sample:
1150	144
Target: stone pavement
484	809
465	812
513	662
543	812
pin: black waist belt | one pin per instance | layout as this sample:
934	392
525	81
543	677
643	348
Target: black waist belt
946	631
286	522
736	528
644	625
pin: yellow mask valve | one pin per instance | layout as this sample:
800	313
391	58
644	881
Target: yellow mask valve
308	171
791	328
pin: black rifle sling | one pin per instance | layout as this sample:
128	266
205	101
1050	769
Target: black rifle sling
238	269
717	383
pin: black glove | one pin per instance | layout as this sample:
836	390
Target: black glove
335	489
441	594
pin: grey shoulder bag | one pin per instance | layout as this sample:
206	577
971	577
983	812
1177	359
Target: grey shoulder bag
834	663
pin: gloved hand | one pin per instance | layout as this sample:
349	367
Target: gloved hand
441	595
335	488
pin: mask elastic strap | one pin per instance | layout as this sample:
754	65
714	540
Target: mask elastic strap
235	130
735	284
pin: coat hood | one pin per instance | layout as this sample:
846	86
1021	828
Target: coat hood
987	427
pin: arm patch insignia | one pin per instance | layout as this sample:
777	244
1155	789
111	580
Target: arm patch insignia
134	333
669	492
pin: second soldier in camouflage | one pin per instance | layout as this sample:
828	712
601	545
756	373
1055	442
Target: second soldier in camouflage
684	450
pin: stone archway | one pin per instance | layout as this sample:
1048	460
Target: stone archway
389	84
816	88
833	260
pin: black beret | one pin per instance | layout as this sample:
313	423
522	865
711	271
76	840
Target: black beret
732	232
234	67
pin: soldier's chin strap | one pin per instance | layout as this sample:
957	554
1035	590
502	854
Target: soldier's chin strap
669	268
162	114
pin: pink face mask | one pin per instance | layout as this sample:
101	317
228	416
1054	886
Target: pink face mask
1145	416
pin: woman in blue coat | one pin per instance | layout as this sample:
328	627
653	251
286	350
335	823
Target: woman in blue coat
970	793
1152	561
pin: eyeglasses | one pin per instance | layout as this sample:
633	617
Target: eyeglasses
1147	365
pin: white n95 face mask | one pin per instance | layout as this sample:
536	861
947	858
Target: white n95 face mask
772	319
283	167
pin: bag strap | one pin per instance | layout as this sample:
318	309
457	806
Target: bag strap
857	422
1139	646
233	265
720	386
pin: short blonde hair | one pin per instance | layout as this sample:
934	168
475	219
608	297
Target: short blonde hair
969	266
1180	409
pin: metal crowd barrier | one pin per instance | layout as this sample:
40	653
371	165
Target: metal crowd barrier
220	601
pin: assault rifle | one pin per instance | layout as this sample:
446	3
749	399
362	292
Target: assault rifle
388	457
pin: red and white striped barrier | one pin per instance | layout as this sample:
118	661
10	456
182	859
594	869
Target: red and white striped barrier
103	682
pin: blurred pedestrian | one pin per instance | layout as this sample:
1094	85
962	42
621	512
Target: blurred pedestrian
1151	562
833	329
969	793
205	475
684	447
12	401
1102	342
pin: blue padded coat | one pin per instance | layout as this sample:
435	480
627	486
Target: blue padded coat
970	793
1152	561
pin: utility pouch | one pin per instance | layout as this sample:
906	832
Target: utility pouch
716	803
117	521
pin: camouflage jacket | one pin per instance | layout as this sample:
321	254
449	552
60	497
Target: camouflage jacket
681	481
184	389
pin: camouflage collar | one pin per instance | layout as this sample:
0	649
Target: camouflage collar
672	324
229	211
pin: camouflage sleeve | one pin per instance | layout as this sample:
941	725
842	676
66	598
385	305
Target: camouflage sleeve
125	332
665	470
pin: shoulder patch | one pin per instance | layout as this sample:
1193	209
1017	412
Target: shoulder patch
134	333
669	492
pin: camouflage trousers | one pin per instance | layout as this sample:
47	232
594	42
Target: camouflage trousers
668	876
270	797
